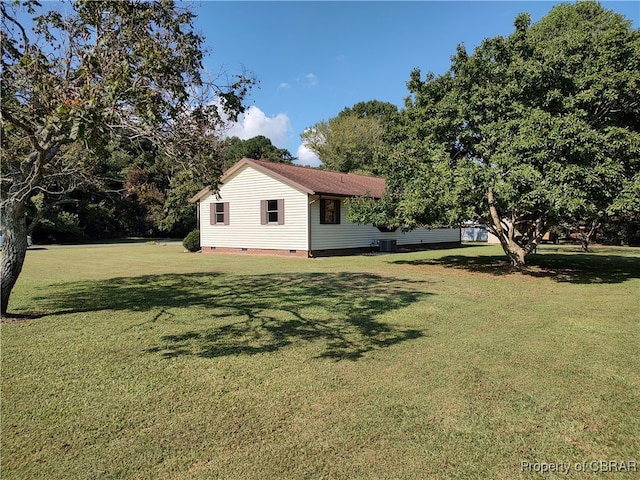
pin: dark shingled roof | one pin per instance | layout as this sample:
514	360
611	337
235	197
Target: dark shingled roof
311	180
318	182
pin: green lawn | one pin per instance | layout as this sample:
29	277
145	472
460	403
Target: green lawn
149	363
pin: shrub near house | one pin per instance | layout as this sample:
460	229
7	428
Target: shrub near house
192	241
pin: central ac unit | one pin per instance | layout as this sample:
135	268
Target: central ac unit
387	245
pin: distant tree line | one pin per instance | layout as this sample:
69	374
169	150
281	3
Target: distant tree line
142	193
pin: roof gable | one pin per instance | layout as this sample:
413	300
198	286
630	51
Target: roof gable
315	181
262	167
309	180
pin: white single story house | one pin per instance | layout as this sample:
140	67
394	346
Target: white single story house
264	207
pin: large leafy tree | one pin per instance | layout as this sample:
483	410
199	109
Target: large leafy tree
82	75
530	131
351	141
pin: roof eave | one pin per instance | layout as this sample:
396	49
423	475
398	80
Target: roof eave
346	195
200	195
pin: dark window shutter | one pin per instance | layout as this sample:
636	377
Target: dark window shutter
281	211
263	212
226	213
212	214
337	212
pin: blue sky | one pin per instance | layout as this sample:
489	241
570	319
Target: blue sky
313	59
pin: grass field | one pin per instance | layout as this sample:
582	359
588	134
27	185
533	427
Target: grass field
145	362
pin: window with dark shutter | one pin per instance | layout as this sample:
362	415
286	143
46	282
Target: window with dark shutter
219	213
272	212
329	211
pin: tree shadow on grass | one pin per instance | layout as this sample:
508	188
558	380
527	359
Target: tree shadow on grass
582	268
254	314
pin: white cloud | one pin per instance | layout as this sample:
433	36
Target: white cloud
254	122
312	80
306	157
284	85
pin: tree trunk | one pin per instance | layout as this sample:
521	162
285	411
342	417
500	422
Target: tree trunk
584	242
14	249
515	253
585	237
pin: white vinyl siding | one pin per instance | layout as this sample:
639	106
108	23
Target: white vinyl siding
245	191
351	235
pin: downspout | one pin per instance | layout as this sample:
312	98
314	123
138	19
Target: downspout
198	226
309	252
